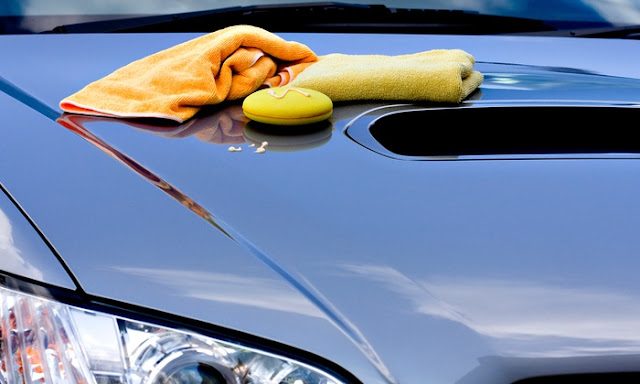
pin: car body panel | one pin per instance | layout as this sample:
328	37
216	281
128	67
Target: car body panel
482	271
23	252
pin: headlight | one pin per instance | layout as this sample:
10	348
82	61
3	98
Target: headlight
45	341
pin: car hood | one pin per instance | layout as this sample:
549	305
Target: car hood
486	270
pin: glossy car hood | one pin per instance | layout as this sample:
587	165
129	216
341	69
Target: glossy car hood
480	271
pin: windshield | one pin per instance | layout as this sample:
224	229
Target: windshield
41	15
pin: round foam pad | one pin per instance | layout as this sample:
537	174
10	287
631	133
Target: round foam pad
287	106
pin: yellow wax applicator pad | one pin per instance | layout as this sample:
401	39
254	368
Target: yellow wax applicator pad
437	75
287	106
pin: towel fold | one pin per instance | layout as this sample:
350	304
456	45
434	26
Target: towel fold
234	62
174	84
436	75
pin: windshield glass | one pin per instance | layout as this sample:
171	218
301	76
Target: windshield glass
36	15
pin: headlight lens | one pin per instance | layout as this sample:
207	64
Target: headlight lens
44	341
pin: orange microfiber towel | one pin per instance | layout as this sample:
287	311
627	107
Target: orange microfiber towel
174	84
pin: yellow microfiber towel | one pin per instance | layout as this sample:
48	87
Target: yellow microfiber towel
174	84
437	75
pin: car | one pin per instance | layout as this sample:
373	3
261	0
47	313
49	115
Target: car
493	241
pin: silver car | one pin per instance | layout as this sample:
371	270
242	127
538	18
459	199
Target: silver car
491	242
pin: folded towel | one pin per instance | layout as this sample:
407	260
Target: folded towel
437	75
174	84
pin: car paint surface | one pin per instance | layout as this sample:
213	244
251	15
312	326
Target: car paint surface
23	252
482	271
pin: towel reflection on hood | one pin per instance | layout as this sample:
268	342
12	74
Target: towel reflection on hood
224	126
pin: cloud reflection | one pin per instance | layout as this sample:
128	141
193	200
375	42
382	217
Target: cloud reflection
11	258
263	293
616	11
532	318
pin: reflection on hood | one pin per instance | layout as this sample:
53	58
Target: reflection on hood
230	288
524	317
10	256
